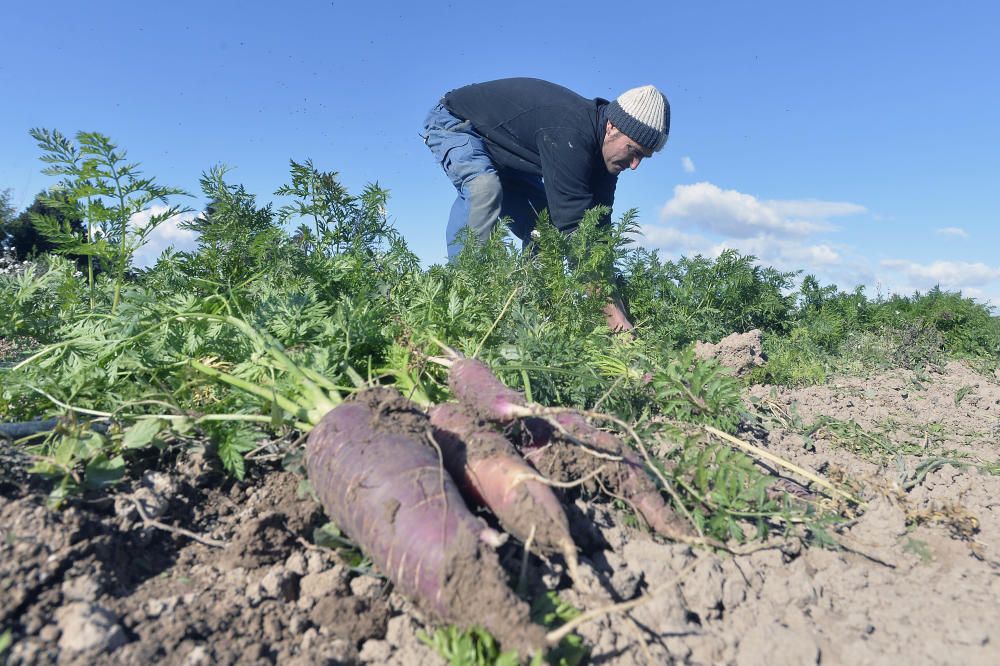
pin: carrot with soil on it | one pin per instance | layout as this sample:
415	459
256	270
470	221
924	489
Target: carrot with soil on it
475	385
628	478
419	532
492	473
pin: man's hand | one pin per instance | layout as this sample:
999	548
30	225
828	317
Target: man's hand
614	314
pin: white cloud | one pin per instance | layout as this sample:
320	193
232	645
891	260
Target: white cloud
952	231
785	254
950	274
688	164
732	213
166	234
780	233
671	239
814	208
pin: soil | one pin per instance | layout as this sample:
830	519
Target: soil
916	580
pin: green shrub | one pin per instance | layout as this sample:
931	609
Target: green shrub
703	299
37	297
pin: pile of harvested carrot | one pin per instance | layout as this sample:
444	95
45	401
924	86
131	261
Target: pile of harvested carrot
397	480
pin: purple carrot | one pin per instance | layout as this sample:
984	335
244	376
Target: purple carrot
475	385
382	483
492	473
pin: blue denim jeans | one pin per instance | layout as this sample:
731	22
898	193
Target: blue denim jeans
486	193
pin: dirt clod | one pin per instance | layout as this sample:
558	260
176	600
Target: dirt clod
739	352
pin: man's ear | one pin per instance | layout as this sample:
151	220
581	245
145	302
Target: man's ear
610	130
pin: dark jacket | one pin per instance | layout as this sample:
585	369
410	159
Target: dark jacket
544	129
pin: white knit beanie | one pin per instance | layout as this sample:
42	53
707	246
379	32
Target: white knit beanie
643	114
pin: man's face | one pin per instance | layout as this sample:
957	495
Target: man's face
621	152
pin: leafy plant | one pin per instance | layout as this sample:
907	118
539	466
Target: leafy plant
697	298
6	211
919	548
727	491
107	192
478	648
550	610
697	391
341	221
37	297
236	240
474	647
79	457
848	434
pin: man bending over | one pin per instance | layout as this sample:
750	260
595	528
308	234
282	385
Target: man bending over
515	146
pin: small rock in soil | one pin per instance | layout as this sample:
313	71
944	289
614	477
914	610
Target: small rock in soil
81	588
88	627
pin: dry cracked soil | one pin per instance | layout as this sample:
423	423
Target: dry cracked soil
121	578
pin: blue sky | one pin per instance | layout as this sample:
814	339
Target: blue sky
854	140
